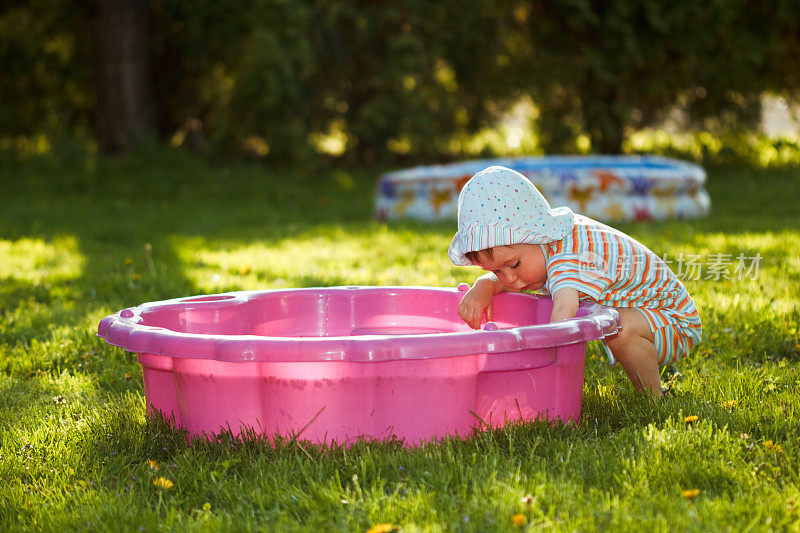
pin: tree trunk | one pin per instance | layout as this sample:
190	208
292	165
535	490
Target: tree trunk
118	31
604	121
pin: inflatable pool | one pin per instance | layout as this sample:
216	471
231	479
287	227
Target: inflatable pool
606	188
346	363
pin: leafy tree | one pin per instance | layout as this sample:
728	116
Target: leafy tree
44	84
609	66
394	80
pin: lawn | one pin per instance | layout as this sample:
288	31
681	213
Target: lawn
83	236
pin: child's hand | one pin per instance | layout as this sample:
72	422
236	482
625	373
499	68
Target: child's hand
476	302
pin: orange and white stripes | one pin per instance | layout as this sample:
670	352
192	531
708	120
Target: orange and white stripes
615	270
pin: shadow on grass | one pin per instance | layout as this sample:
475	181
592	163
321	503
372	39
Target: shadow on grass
124	214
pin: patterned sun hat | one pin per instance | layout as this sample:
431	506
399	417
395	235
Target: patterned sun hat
499	206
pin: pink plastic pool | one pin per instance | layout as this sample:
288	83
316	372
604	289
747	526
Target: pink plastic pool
343	363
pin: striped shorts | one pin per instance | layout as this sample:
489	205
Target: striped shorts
675	332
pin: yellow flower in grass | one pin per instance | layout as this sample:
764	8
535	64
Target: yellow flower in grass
691	418
152	464
163	483
518	519
691	493
730	403
381	528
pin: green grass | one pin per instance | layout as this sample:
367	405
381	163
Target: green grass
82	237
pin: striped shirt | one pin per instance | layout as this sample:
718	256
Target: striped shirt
612	269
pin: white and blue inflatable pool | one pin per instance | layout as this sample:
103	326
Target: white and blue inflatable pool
606	188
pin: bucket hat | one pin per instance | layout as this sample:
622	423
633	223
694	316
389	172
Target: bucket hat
499	206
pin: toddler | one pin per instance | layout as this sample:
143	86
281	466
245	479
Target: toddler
506	227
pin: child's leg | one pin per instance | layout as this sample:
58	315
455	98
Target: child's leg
633	347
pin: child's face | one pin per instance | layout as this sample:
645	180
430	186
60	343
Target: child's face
519	266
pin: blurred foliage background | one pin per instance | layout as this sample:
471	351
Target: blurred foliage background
406	81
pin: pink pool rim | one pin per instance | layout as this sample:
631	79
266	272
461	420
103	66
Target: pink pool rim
338	364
